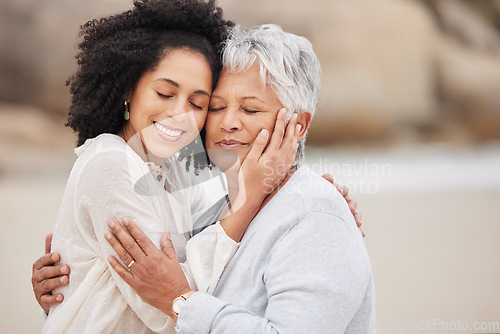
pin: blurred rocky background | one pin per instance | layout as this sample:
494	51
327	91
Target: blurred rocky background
393	70
408	118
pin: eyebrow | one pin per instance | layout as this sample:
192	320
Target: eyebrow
252	98
175	84
243	98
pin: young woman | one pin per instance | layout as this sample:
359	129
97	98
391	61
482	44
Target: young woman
141	95
300	270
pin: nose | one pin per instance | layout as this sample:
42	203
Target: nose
178	112
231	121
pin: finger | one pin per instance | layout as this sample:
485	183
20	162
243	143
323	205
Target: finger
328	177
352	205
126	275
46	260
278	132
362	233
48	243
291	142
122	253
166	245
258	146
52	272
343	190
50	300
292	134
48	285
358	218
140	237
126	240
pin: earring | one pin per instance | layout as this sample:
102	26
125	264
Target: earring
127	112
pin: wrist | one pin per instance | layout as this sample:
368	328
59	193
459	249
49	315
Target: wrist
178	302
247	204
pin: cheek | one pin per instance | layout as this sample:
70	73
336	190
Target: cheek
201	117
256	124
210	125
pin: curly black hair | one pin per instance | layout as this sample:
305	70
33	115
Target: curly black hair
117	51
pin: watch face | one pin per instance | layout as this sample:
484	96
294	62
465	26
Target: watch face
177	304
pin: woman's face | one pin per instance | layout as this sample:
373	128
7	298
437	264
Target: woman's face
240	107
169	105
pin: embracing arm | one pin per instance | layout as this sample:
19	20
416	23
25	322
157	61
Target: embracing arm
306	292
316	282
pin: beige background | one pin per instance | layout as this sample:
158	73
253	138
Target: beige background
409	119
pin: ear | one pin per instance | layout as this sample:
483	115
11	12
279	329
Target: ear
304	119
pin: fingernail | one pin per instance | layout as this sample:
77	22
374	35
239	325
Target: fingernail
53	257
63	270
59	298
126	221
263	133
61	279
111	223
282	111
107	235
299	127
294	116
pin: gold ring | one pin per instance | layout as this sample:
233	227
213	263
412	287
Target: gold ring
130	264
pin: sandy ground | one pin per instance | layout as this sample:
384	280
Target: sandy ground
432	225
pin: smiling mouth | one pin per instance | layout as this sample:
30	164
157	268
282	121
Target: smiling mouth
171	132
230	144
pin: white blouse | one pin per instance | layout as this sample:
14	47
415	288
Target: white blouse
109	180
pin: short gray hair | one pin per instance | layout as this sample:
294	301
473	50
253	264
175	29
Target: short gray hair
288	65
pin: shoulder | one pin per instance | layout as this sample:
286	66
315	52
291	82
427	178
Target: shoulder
307	192
321	245
107	155
105	149
103	143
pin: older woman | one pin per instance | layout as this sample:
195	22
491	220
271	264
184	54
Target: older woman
301	266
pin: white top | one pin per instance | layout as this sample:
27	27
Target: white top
109	180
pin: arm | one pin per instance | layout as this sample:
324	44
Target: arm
209	251
107	185
263	169
46	276
315	282
306	292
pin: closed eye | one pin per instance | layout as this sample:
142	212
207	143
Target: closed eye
196	106
163	96
250	111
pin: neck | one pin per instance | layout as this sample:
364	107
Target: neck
136	142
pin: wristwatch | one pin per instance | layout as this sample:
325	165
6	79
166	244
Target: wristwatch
177	304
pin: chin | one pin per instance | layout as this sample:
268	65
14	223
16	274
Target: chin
162	152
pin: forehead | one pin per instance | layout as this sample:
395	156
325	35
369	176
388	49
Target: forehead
251	77
242	84
183	61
